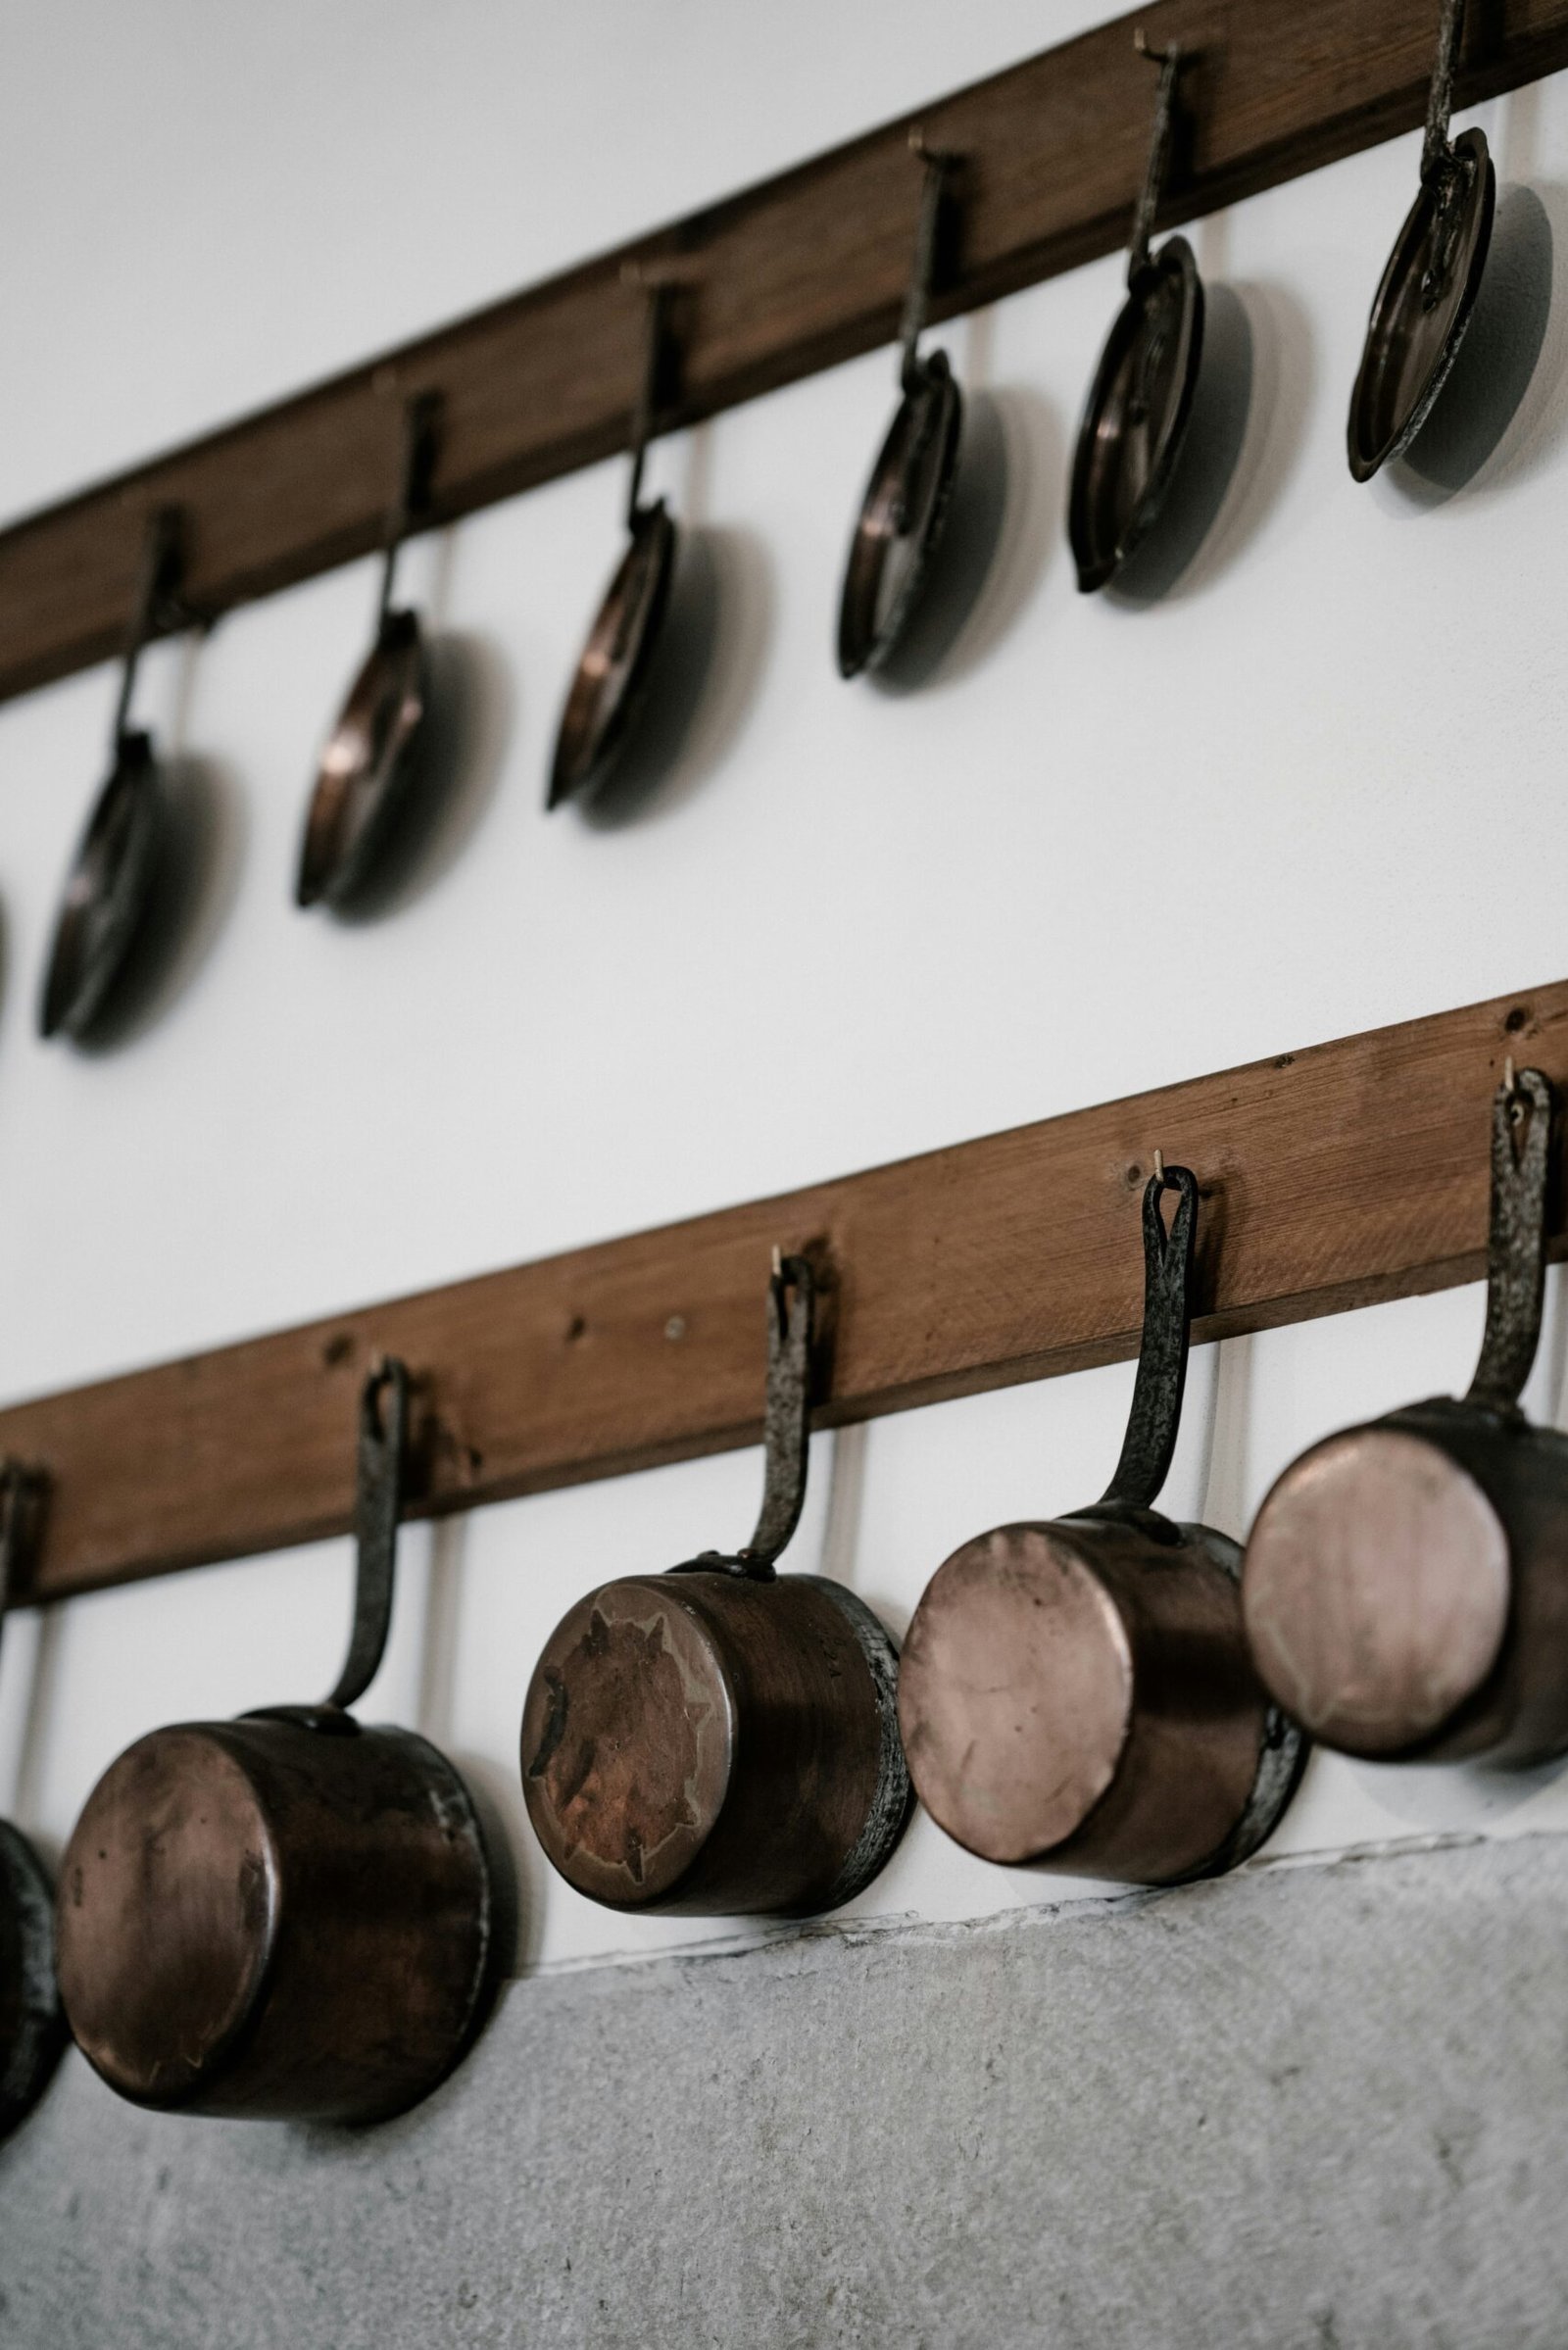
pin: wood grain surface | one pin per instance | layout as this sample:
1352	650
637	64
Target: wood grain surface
1331	1177
779	282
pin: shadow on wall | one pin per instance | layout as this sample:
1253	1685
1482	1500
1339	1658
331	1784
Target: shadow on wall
1501	414
469	717
1248	426
1004	523
706	676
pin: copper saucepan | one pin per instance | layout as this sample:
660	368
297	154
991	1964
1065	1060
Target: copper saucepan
1140	401
367	768
1406	1589
906	499
719	1739
1076	1694
1428	291
611	681
33	2028
287	1915
115	870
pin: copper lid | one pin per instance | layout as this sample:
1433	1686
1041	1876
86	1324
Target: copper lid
628	1740
1016	1693
167	1914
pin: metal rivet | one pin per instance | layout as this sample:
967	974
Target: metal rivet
676	1327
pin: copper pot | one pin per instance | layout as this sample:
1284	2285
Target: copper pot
32	2029
1406	1589
718	1738
1075	1695
286	1915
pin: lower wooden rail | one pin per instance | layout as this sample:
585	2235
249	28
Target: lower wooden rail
1353	1172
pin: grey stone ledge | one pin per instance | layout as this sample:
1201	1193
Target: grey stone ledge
1315	2104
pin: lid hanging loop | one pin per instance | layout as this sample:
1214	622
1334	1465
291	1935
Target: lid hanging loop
1158	170
157	607
922	272
421	414
659	292
1436	154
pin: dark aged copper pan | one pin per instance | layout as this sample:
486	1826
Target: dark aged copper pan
32	2029
1429	288
1406	1589
905	503
1140	401
363	783
1077	1694
114	870
287	1915
718	1738
610	680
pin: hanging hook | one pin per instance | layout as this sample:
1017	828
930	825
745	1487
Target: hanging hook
787	1424
659	292
922	272
157	606
419	418
1170	62
1436	152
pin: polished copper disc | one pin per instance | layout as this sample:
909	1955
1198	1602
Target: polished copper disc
1376	1590
1016	1693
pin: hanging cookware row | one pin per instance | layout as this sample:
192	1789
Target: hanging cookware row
294	1915
1127	453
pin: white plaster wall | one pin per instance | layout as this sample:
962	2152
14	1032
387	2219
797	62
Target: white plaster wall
1316	787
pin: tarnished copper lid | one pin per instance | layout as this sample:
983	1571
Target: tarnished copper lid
1376	1589
1137	414
1423	305
167	1914
628	1738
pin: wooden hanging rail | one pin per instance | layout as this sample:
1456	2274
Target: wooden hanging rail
787	278
1354	1171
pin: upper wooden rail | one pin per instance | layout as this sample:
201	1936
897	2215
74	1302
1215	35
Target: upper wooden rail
787	278
1331	1177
